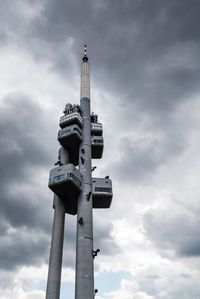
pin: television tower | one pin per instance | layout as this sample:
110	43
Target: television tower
75	191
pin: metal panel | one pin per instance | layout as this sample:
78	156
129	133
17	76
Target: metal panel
97	147
101	193
69	119
85	80
66	182
96	129
70	138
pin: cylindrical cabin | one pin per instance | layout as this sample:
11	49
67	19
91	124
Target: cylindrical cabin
101	193
66	182
97	147
72	116
96	127
70	138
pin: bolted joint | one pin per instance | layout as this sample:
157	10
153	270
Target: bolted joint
93	168
80	221
88	196
83	151
82	160
58	163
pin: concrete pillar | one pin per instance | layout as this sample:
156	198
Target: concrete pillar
84	285
56	253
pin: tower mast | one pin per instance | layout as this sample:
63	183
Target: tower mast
75	191
84	285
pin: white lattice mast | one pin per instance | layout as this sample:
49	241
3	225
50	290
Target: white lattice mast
85	76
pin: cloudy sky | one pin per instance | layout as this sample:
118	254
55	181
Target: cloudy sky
145	72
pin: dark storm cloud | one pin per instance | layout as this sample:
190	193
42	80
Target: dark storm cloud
3	37
20	248
155	145
134	46
144	53
177	232
138	162
25	142
24	216
21	132
27	148
138	44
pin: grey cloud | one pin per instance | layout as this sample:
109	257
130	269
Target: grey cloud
27	148
142	156
24	210
25	220
130	39
103	234
138	161
3	37
146	54
23	129
135	43
177	232
134	37
164	280
22	247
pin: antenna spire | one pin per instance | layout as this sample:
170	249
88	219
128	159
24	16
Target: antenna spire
85	58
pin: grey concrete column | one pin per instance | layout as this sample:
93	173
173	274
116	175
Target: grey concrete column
84	285
56	253
55	261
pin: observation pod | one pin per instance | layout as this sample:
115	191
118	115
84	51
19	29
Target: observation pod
96	128
72	116
70	138
66	182
97	147
101	193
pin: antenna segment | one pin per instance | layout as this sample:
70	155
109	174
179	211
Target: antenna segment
85	50
85	58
